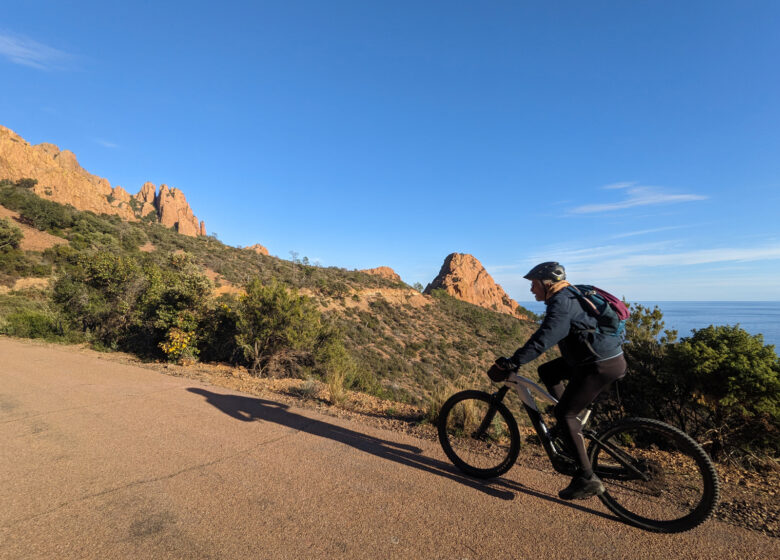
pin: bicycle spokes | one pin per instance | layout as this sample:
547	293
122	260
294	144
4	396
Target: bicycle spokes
478	434
654	475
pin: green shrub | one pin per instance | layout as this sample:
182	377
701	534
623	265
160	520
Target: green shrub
218	329
273	320
10	235
26	183
33	324
335	363
725	387
129	304
721	385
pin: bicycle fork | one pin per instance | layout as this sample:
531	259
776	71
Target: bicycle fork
498	396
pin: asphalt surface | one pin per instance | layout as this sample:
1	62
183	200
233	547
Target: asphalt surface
103	460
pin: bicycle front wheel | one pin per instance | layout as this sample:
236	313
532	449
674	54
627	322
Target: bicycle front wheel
478	434
655	476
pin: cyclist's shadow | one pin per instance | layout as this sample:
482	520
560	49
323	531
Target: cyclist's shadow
249	409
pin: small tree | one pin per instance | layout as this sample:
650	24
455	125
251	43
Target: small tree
335	363
274	320
10	235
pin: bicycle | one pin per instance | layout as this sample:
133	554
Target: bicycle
655	476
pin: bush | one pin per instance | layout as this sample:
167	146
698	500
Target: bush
10	235
335	364
26	183
33	324
218	329
725	387
274	320
128	304
720	385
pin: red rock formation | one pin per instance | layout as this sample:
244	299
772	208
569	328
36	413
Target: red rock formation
174	212
146	198
257	248
119	195
464	277
62	179
384	272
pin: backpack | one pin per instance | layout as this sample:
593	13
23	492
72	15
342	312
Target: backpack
610	312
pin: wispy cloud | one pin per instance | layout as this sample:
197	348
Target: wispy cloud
106	143
645	232
661	254
637	195
661	270
27	52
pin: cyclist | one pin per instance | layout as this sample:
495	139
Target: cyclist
590	362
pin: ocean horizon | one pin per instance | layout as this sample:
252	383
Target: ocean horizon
756	317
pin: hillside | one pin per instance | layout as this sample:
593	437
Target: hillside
405	345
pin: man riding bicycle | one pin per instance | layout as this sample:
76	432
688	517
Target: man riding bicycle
590	361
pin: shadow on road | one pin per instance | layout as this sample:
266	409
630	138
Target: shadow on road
516	486
249	409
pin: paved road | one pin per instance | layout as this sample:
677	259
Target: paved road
103	460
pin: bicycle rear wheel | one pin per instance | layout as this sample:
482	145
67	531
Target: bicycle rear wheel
655	476
478	434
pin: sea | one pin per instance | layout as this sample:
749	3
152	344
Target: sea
756	317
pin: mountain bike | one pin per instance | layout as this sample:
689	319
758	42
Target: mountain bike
655	476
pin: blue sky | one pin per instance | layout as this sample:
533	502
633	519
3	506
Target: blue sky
638	143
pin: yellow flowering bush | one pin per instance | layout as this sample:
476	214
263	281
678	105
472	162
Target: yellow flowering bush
179	345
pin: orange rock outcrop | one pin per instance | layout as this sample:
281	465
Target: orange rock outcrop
384	272
61	179
257	248
463	277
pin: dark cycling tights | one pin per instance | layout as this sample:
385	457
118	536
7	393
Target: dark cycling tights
585	383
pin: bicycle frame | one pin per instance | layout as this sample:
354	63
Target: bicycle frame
525	389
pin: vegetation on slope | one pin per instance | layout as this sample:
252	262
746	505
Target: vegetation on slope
291	318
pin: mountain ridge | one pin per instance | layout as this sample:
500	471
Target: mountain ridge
61	179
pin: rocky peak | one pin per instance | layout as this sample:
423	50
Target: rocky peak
463	277
384	272
62	179
174	212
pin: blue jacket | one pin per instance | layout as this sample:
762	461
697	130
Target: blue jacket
567	324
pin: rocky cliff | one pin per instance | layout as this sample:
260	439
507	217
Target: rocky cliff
464	277
61	179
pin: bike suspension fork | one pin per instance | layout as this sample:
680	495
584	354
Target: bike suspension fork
498	396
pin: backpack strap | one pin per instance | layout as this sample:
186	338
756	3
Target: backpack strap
590	305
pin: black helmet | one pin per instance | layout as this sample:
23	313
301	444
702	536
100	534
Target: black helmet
547	271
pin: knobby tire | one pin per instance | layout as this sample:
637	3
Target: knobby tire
491	453
655	476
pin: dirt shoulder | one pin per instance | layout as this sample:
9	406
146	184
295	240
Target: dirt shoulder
749	499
